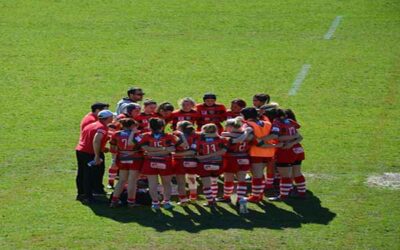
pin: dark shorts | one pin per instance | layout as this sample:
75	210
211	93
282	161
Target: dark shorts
283	165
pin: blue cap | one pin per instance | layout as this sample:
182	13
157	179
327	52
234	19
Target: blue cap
105	114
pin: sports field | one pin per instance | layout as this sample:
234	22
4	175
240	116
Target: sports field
58	57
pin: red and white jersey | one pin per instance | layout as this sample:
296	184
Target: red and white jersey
240	148
120	145
143	120
179	115
230	114
209	145
211	114
158	140
284	127
190	139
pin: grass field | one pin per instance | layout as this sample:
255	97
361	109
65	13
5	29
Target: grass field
57	57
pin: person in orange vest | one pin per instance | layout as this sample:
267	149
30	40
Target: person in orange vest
262	150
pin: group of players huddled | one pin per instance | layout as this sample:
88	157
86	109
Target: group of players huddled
203	140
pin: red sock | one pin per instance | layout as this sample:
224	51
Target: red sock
285	186
131	200
300	184
214	186
269	180
115	198
241	190
208	193
257	187
228	189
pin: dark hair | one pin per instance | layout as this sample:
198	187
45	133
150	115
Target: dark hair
270	113
99	105
280	112
209	96
148	102
128	122
249	113
290	114
264	98
165	106
133	90
156	124
240	102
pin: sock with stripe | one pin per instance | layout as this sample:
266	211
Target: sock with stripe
300	184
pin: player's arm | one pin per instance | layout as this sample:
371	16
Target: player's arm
98	137
293	142
220	152
286	138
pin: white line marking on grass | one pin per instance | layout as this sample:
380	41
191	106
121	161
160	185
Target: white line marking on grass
333	28
299	79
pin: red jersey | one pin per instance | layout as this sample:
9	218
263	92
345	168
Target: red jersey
87	135
166	119
230	114
121	147
179	115
209	145
143	120
88	119
191	142
158	140
215	114
240	148
285	127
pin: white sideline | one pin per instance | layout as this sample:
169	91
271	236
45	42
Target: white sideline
299	79
333	28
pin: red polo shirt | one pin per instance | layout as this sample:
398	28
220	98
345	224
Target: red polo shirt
87	135
88	119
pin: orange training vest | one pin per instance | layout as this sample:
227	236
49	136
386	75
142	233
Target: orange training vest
259	132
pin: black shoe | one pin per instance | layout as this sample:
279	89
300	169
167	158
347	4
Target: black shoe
80	197
100	193
224	200
88	201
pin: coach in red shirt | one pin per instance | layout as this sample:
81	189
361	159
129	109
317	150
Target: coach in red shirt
91	117
91	146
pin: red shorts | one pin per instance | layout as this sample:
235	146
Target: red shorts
234	164
130	165
291	155
185	166
256	159
213	169
158	166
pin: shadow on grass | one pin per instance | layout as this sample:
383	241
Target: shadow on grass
195	218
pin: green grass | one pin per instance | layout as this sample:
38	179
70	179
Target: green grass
58	57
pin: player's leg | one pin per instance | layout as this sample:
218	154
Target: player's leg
257	187
299	179
192	184
132	187
207	190
241	188
181	180
228	187
214	186
123	178
285	185
270	174
166	182
153	184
